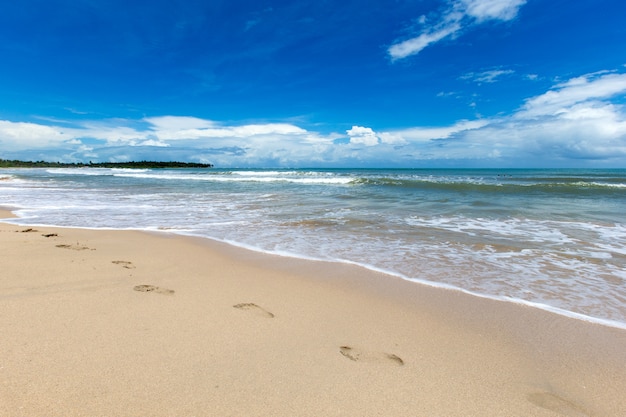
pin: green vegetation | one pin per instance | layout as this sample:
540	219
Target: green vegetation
4	163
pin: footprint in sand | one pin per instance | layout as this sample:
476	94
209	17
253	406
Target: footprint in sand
358	355
557	404
74	247
152	288
29	230
50	235
124	264
259	311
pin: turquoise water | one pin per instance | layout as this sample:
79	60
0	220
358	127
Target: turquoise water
554	239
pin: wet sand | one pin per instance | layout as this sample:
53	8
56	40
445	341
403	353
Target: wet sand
123	323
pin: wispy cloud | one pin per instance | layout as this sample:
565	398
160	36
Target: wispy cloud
415	45
488	77
583	89
459	15
427	134
482	10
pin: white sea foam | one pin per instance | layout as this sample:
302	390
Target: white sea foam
529	230
598	184
266	173
256	177
79	171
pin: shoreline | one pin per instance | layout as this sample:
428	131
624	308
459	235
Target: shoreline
247	332
371	269
423	282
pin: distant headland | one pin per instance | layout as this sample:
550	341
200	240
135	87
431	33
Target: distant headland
5	163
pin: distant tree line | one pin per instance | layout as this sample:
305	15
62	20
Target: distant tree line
5	163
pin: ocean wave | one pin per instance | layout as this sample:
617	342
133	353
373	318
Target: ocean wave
600	184
80	171
264	178
488	185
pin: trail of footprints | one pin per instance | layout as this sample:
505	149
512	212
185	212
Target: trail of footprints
124	264
77	246
546	400
352	353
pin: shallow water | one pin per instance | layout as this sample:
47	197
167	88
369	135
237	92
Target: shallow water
551	238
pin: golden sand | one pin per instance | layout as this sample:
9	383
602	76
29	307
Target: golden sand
122	323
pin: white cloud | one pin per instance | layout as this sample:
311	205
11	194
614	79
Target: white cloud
486	76
178	122
573	121
392	138
483	10
427	134
459	15
267	129
173	132
108	131
151	142
19	135
588	87
362	136
585	132
415	45
184	128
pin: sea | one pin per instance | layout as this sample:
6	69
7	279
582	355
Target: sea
550	239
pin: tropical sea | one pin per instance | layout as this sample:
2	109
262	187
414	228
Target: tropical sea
551	239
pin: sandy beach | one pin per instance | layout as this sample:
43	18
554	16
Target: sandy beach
125	323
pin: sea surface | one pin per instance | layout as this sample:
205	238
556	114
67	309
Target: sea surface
552	239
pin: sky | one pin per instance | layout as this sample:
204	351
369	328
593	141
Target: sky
342	83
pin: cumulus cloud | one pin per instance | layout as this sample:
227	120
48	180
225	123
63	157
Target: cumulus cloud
362	136
460	14
18	135
592	134
167	137
574	120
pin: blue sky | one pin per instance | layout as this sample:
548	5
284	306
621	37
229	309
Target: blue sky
378	83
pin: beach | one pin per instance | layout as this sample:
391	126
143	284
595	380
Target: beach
112	323
554	239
